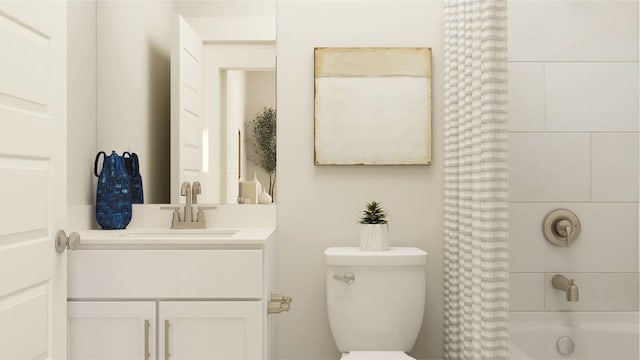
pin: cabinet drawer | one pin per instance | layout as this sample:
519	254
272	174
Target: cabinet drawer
166	274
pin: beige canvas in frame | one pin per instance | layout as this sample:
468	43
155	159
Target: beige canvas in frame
373	106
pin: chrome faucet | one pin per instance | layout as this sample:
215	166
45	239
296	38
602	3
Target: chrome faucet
562	283
190	192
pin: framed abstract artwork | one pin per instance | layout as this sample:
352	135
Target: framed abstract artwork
372	106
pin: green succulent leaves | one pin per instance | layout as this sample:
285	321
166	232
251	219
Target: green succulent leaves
373	214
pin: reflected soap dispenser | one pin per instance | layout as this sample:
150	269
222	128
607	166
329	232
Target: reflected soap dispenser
250	190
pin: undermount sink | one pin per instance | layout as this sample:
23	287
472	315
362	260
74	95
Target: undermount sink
165	238
182	233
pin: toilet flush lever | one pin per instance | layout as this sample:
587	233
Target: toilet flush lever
349	278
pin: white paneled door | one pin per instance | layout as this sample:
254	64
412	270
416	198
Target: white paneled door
186	106
32	179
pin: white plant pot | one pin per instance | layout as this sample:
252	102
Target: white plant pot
374	237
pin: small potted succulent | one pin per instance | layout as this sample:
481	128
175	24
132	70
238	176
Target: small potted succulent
374	229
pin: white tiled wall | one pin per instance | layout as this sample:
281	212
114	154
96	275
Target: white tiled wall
550	166
573	104
573	30
526	96
591	96
614	180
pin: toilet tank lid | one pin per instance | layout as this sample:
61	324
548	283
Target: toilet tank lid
395	256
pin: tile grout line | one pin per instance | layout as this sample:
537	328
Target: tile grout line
591	167
544	97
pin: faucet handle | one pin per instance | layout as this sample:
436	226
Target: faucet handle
201	210
176	214
561	227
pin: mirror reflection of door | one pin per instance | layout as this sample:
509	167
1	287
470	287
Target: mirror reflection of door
187	126
239	81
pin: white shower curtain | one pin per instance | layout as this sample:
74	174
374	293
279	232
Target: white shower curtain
476	250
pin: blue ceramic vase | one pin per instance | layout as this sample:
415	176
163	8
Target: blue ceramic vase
113	197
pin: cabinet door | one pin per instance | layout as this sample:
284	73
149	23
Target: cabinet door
111	330
212	330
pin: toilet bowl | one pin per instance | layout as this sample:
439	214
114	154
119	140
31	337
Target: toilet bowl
375	301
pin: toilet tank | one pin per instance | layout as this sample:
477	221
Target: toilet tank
382	309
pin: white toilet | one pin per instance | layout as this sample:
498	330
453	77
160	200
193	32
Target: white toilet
375	301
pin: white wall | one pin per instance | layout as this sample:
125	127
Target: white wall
81	102
118	91
573	97
133	97
318	206
261	92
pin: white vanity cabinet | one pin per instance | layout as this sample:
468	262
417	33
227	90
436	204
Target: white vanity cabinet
111	329
125	330
170	303
210	330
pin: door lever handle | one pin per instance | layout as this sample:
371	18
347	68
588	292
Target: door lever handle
64	242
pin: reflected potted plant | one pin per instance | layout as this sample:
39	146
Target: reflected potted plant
374	228
264	142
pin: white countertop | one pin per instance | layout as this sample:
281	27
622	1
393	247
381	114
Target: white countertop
164	238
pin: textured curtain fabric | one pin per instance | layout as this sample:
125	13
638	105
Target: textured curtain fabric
476	250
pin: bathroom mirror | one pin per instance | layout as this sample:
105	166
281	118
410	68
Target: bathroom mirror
134	90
